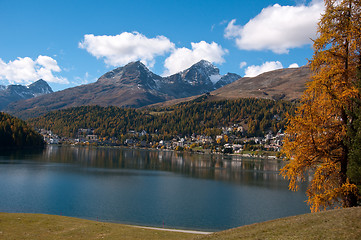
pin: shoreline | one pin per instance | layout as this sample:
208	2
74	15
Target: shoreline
170	229
330	224
241	155
178	230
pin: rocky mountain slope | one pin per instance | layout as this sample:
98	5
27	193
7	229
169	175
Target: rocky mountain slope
286	84
133	85
200	78
12	93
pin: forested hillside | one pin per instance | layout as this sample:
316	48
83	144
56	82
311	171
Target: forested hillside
15	133
257	116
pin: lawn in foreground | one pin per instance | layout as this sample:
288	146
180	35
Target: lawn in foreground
40	226
333	224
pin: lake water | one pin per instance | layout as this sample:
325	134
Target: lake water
145	187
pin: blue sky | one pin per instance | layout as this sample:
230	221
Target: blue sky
69	43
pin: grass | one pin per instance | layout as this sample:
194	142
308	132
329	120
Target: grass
16	226
333	224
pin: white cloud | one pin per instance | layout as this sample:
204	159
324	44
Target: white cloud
126	47
242	64
254	70
87	78
183	58
26	70
293	65
278	28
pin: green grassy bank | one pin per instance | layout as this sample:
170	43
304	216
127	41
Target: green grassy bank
334	224
20	226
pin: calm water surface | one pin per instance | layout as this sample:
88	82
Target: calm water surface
145	187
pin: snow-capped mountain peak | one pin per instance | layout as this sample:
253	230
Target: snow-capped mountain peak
39	87
202	68
12	93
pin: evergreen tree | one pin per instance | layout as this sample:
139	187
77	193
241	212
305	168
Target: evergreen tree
15	133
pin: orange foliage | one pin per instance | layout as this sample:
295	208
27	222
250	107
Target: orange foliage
317	141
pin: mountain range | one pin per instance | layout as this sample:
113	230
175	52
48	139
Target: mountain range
13	93
134	85
286	84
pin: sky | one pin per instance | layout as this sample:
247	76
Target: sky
73	42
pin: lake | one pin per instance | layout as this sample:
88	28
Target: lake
146	187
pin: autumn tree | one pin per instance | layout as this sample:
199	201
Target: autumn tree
354	169
15	133
318	140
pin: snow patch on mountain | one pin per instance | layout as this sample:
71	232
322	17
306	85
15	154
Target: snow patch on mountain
12	93
215	78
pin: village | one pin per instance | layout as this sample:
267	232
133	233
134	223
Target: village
230	141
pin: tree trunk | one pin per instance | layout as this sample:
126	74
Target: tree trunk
349	198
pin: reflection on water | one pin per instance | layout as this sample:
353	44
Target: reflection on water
146	187
217	167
